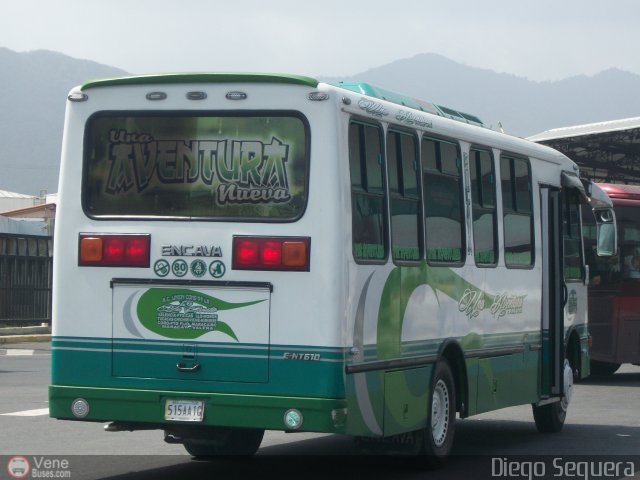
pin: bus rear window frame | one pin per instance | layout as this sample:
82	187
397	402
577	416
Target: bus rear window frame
192	113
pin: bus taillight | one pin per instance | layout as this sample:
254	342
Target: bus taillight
271	253
106	250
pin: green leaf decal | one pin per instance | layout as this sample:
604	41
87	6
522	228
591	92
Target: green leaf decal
400	284
183	313
224	328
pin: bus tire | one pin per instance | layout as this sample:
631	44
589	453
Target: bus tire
603	369
550	418
220	441
437	437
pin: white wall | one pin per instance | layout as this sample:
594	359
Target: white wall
9	225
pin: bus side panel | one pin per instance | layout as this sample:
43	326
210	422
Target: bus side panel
365	404
406	398
602	314
507	380
628	329
473	371
419	308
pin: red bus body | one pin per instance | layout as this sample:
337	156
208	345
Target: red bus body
614	290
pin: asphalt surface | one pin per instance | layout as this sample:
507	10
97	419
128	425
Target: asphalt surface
603	419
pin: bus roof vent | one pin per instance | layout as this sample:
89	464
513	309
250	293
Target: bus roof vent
460	116
410	102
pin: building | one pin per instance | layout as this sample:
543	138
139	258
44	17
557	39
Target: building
13	201
26	257
43	214
607	152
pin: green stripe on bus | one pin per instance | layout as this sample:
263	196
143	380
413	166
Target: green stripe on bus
182	78
92	364
236	410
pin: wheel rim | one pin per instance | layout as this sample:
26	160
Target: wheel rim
568	386
440	413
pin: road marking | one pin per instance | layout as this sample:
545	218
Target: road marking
27	413
19	352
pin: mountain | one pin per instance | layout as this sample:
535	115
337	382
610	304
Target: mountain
522	106
35	87
33	93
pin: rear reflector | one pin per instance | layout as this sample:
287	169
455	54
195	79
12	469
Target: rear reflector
106	250
271	253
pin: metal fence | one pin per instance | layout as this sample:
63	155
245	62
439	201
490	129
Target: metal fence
25	278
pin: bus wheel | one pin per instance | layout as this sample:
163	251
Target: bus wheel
438	435
225	441
603	369
550	418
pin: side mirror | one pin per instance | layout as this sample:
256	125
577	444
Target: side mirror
607	234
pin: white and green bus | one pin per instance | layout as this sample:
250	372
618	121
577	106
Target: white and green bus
237	253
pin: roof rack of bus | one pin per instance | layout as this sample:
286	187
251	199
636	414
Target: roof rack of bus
393	97
223	77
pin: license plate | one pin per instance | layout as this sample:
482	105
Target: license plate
184	410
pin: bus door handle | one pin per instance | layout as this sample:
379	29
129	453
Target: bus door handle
565	294
183	368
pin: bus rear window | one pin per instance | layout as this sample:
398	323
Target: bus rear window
241	167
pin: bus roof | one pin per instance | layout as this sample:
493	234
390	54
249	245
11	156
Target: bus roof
238	77
223	77
614	190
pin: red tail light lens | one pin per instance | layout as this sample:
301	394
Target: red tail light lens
105	250
136	251
271	253
245	252
112	250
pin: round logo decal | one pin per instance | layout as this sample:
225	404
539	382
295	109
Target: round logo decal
217	269
18	467
198	268
179	268
161	267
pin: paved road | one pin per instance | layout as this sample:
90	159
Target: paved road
604	419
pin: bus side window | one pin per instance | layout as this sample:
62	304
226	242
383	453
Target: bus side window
443	207
515	175
484	207
367	192
406	224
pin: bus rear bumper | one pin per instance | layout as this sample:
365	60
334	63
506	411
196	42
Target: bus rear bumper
147	407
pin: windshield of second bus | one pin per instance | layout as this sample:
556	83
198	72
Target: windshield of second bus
625	266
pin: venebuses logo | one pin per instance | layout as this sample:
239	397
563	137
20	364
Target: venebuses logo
38	467
18	467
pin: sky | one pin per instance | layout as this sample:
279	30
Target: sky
542	40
